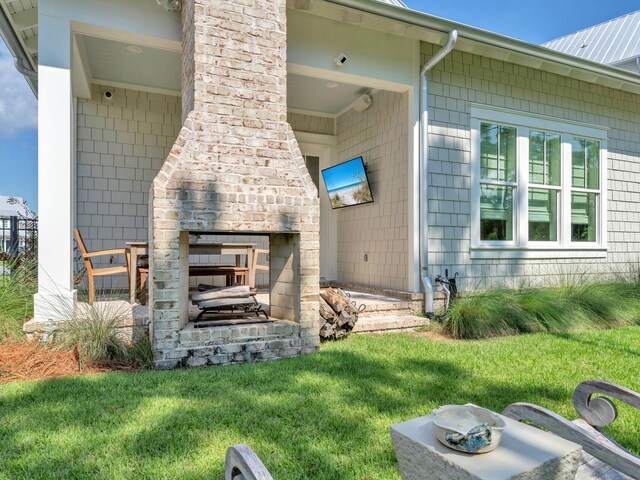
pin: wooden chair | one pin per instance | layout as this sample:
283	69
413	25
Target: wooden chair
257	266
99	272
602	457
242	463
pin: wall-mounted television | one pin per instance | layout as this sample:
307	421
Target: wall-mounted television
347	184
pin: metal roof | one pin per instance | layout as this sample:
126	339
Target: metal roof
609	43
12	207
397	3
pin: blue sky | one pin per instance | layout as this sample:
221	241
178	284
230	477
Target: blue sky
534	22
18	134
342	175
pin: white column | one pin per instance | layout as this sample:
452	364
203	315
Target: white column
56	176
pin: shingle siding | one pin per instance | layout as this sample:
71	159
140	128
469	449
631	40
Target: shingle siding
121	145
463	79
379	229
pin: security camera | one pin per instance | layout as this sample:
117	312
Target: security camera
340	59
108	95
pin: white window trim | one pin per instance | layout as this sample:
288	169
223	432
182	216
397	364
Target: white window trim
520	248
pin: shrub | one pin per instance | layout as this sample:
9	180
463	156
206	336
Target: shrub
571	306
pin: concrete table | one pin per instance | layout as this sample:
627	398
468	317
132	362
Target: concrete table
525	453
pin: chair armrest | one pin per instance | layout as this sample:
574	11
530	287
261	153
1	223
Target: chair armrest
115	251
243	463
599	411
603	449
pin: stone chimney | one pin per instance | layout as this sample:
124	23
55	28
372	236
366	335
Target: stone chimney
235	168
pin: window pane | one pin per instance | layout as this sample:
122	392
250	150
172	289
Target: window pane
543	215
553	160
577	163
507	165
496	213
583	217
489	151
536	157
593	164
544	158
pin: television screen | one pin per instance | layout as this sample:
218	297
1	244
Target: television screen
347	184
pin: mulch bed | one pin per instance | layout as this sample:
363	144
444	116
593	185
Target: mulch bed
32	361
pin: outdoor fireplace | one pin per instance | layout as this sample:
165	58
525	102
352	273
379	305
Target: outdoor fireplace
235	167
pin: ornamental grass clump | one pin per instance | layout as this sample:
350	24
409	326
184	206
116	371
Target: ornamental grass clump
92	331
570	306
17	285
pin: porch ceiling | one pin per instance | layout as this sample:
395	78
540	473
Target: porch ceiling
123	64
321	96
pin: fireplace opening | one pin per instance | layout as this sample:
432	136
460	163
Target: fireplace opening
228	279
232	278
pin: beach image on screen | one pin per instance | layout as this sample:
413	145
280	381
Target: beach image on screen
347	184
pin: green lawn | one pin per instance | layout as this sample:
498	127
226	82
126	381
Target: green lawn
323	416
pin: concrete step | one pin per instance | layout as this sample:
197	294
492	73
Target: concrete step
380	304
387	322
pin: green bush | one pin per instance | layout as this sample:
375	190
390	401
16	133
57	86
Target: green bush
571	306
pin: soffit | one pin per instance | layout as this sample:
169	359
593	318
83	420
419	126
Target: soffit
23	16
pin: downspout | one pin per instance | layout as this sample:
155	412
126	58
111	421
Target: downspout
424	157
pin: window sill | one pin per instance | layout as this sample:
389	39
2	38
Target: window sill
509	252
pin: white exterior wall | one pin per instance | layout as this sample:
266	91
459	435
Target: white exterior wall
381	228
462	79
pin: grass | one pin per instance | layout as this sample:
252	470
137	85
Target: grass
568	307
322	416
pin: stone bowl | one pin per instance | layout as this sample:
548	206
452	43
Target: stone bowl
468	428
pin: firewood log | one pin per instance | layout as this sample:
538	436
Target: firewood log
326	311
335	299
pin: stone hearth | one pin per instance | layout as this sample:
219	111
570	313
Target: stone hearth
235	167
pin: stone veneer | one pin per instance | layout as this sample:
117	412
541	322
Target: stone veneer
235	167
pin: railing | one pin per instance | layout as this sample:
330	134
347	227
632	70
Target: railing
18	242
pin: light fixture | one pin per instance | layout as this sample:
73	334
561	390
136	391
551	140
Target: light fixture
134	49
332	85
361	103
170	5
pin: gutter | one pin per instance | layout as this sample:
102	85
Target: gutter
21	59
442	25
424	170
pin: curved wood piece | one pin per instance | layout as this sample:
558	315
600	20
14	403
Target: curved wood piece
242	463
602	448
600	411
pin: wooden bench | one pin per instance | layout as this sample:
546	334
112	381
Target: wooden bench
242	463
604	458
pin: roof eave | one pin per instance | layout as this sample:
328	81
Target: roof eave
430	22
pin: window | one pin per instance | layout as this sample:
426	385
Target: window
538	187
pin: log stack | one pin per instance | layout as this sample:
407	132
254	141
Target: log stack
338	314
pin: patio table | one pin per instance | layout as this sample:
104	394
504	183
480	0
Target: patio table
525	453
139	249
